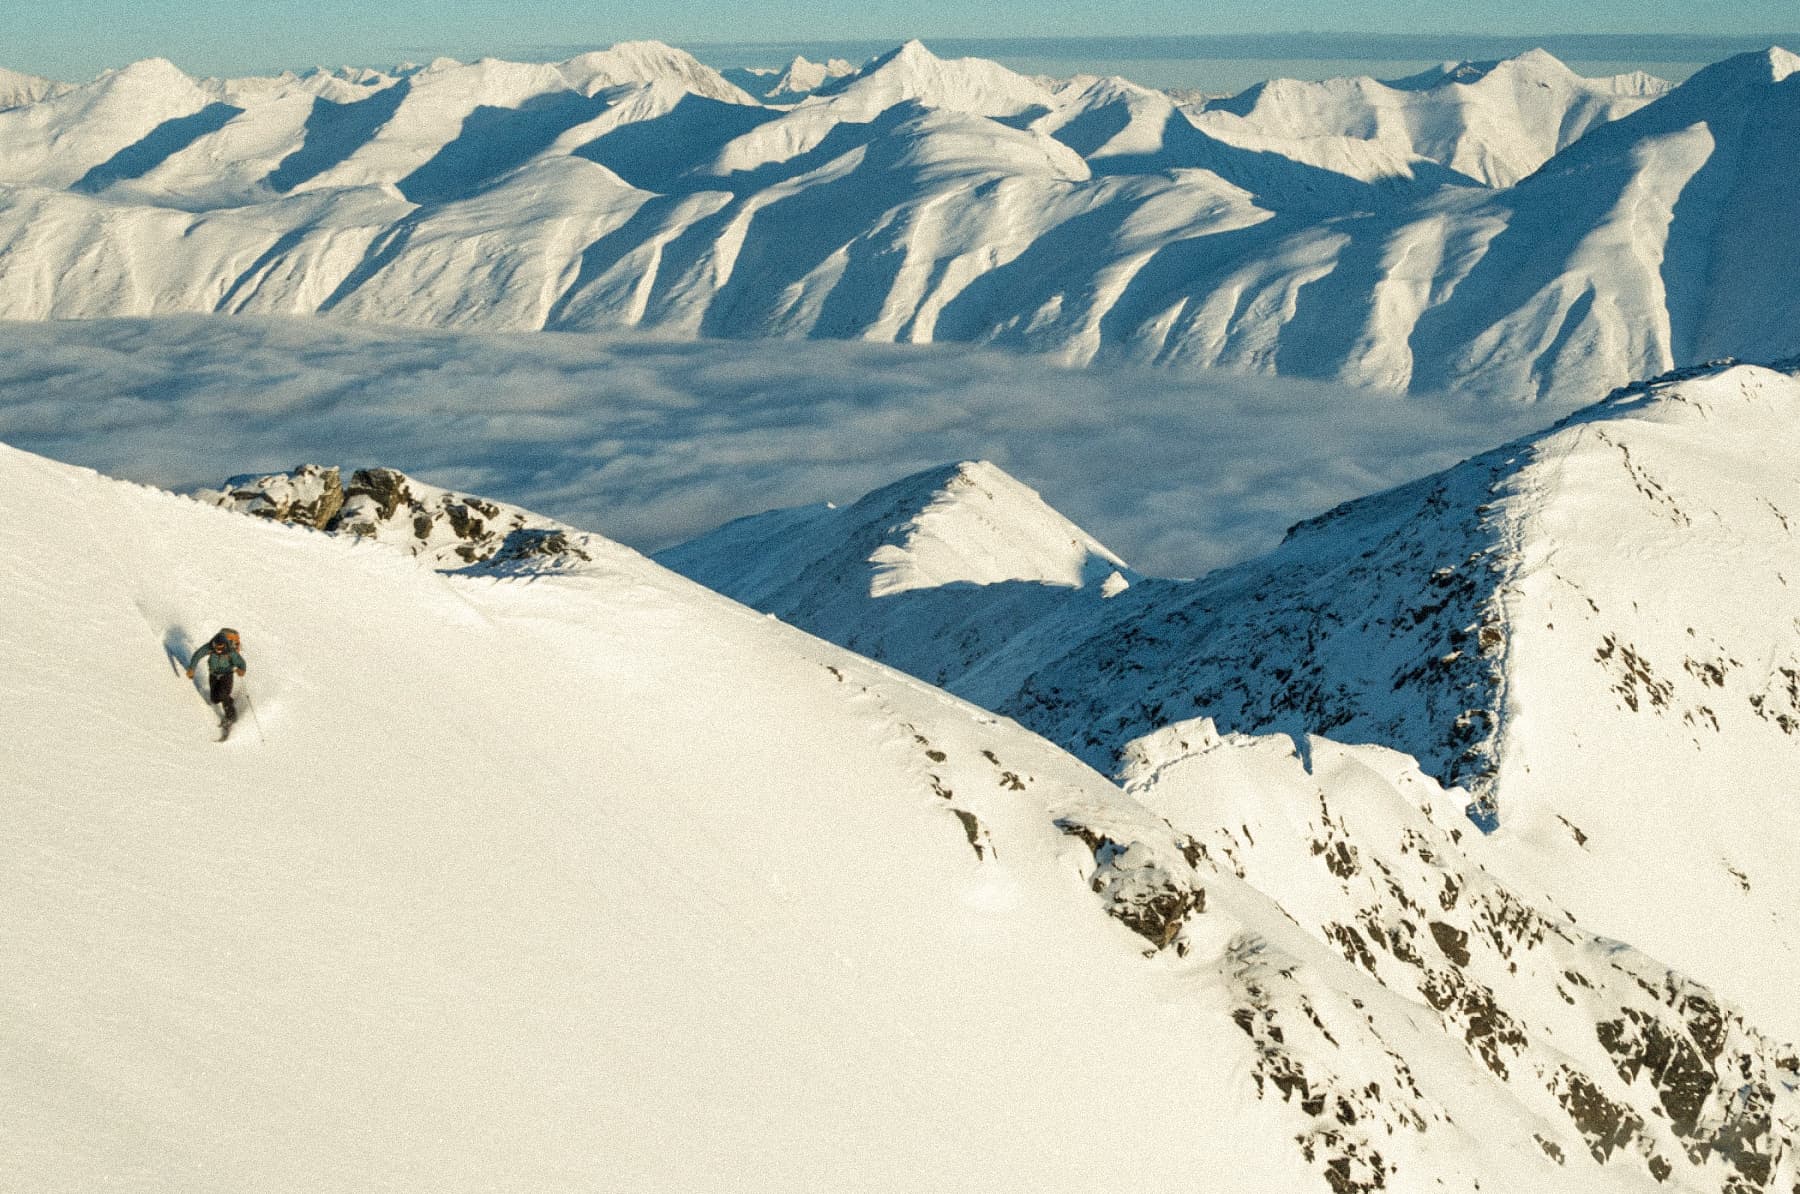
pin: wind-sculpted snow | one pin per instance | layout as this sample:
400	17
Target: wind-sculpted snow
607	879
1382	234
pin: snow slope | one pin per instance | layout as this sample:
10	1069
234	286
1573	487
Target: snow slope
1591	629
520	885
521	879
1459	230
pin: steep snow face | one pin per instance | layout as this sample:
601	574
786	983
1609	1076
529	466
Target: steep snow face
1338	230
1492	123
603	879
1649	730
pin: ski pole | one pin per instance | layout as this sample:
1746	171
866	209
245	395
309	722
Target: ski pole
254	719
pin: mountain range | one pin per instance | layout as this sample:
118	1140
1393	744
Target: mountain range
1503	227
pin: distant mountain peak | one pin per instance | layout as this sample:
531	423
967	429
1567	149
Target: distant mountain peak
910	71
973	523
17	90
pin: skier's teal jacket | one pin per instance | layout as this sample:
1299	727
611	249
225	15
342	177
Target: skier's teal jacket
217	665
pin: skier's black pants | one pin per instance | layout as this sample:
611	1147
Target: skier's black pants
221	694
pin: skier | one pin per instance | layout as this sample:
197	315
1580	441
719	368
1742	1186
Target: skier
222	660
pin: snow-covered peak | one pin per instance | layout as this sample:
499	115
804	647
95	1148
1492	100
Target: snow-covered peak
933	574
972	523
17	90
912	72
802	77
58	140
968	523
646	62
148	73
1113	118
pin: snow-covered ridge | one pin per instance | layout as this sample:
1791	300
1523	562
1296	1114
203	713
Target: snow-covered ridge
1491	122
1422	234
574	816
17	90
1600	616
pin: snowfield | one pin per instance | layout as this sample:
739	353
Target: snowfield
1504	227
574	874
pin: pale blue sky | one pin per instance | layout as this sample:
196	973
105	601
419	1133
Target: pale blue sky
77	40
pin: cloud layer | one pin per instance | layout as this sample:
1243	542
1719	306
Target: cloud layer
652	441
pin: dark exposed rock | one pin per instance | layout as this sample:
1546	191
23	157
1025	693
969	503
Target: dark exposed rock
1607	1126
1138	891
1452	940
310	496
532	543
386	487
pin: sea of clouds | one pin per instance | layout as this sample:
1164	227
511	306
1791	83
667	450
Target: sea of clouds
653	441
